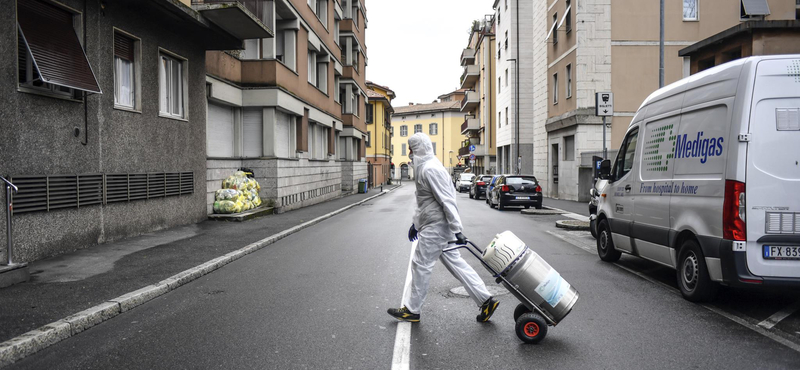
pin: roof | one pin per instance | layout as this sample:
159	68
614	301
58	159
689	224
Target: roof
389	91
418	108
744	27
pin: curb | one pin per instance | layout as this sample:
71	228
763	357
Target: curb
573	225
38	339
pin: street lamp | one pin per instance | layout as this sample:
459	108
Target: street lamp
451	160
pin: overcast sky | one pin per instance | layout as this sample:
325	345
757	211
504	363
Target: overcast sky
414	46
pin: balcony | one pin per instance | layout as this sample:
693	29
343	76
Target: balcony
470	125
463	151
467	56
244	19
471	101
480	150
470	76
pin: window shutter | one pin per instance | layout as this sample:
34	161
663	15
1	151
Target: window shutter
123	47
253	132
57	53
220	131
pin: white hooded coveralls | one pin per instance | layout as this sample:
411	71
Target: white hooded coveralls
437	221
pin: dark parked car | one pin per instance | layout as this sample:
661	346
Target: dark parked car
516	191
478	187
490	186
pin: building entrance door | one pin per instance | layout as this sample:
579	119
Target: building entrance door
404	171
554	174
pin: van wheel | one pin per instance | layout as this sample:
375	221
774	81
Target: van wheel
693	279
605	245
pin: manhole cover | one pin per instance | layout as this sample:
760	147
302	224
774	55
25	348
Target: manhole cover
494	290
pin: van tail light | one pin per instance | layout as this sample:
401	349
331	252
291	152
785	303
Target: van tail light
481	183
538	189
504	188
733	211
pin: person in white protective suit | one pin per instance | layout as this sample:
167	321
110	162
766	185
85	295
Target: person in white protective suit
436	222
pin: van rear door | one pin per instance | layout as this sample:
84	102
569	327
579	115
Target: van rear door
773	171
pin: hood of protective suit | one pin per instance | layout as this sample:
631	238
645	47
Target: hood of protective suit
436	197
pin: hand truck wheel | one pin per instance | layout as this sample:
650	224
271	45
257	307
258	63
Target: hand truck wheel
531	328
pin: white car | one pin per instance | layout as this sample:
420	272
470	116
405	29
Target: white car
706	179
464	181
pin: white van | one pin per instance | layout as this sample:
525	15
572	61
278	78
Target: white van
707	179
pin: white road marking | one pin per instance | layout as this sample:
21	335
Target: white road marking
758	328
780	315
576	216
402	339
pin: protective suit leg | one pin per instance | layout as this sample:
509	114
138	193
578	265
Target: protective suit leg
432	240
466	275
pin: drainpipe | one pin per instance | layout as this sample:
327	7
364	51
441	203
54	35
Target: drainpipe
85	94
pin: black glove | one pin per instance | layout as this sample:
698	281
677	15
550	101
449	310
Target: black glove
461	239
412	233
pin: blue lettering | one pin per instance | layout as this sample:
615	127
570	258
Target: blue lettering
704	151
719	146
700	147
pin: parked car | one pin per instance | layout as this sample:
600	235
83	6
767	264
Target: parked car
723	209
490	186
464	181
516	191
594	198
478	186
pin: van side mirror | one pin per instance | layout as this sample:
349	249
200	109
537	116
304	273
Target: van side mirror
605	169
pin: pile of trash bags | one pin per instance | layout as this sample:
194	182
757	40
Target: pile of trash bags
238	194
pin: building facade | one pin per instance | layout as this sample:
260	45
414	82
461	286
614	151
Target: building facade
479	128
598	45
514	91
105	118
440	120
379	133
292	107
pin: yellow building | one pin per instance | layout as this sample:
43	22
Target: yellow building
379	135
441	120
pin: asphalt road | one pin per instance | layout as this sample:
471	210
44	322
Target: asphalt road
317	300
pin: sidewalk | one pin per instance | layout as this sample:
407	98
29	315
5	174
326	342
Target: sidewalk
68	284
581	208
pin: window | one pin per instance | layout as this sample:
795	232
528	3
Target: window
369	139
312	67
506	116
172	86
322	74
417	128
370	113
499	85
51	59
337	97
753	9
506	44
252	49
625	157
403	131
568	17
499	49
391	151
356	99
555	88
433	129
569	81
126	72
555	31
499	119
506	76
434	148
322	12
689	10
403	152
569	148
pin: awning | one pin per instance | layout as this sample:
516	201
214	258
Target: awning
553	28
564	17
57	53
755	7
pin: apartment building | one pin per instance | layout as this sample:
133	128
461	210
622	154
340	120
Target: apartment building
292	107
514	23
441	120
105	117
379	133
598	45
478	60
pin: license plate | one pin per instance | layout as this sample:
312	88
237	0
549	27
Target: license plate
781	252
523	198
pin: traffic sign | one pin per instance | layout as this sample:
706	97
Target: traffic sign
472	157
472	148
604	104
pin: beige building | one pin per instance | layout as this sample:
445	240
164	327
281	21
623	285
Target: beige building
440	120
599	45
480	128
292	107
379	133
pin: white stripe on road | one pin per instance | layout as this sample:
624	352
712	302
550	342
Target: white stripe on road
780	315
402	340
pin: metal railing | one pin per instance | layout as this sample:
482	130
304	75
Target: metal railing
9	206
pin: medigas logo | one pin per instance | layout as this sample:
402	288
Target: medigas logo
700	147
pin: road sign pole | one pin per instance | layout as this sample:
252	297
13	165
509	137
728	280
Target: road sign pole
605	153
